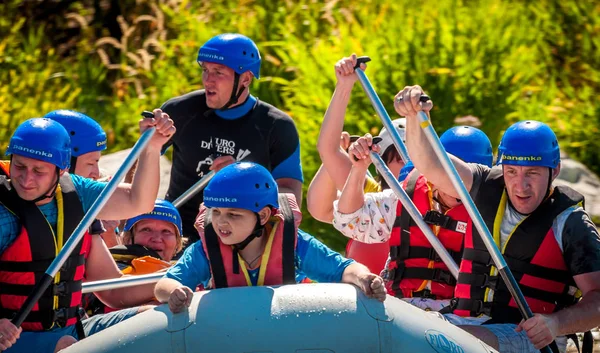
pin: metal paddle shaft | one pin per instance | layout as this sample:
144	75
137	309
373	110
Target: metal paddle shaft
414	213
486	236
194	189
379	108
78	233
122	282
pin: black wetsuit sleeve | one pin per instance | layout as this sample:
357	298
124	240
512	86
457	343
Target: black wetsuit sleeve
480	173
581	244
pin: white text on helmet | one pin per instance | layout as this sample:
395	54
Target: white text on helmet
212	56
32	151
101	143
164	214
521	158
220	199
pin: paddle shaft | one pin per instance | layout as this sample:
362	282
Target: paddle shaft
414	213
486	236
389	177
380	109
79	232
194	189
122	282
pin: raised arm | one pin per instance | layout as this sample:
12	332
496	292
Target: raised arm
130	200
320	196
421	153
334	158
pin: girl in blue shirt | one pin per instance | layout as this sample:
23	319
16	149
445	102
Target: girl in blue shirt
244	242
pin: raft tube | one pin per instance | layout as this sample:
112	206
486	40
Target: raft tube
302	318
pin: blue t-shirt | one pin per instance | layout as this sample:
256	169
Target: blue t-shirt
313	259
87	190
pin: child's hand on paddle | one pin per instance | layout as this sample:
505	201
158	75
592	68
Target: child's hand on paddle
165	128
359	151
180	298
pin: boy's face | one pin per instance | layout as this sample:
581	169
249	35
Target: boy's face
233	225
31	178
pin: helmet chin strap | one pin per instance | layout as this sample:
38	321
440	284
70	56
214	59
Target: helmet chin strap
235	96
256	233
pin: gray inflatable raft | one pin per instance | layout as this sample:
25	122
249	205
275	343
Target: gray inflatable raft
306	318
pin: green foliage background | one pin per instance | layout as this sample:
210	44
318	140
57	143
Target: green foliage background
501	61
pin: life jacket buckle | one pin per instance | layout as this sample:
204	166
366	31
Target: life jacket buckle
437	219
60	316
480	307
442	275
60	289
434	256
489	282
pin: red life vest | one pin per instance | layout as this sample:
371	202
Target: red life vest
373	256
278	257
532	253
25	261
413	261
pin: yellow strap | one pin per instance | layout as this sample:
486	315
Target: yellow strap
58	238
264	260
489	294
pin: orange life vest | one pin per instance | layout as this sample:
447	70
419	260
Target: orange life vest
413	261
277	265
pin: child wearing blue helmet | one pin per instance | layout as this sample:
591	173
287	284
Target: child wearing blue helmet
249	237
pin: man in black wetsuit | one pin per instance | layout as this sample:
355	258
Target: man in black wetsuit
224	123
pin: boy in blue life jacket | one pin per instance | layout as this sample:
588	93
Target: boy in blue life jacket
249	237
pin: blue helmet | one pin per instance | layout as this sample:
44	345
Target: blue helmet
469	144
243	185
42	139
233	50
86	134
529	143
163	211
